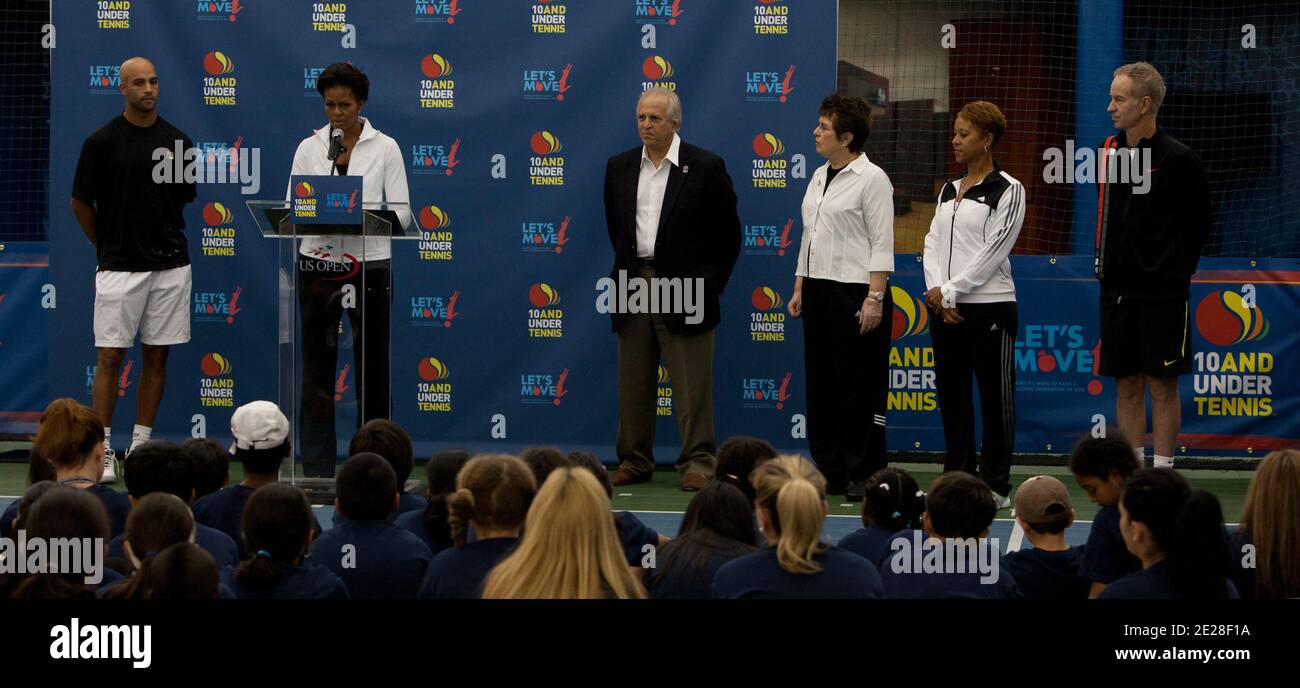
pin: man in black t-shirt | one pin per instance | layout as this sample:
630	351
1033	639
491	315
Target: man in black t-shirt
1151	227
142	282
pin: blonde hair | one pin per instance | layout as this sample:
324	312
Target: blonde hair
569	549
493	490
1271	514
1147	82
793	493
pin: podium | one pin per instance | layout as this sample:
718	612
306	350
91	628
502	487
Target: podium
337	284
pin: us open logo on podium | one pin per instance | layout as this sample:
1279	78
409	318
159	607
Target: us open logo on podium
216	387
433	392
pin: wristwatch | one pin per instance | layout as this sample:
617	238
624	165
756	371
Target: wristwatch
878	296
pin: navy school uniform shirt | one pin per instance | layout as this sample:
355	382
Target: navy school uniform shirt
413	523
224	510
1106	559
301	582
758	575
7	519
871	543
406	503
1150	584
117	504
909	584
217	543
1043	575
458	572
673	581
634	536
385	562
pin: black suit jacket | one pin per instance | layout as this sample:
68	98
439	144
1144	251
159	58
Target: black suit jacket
699	230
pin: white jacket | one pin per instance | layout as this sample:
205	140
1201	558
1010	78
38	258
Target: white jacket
378	161
969	243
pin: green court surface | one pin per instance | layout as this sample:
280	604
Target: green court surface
663	493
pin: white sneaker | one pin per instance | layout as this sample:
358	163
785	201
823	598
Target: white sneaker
1001	501
110	467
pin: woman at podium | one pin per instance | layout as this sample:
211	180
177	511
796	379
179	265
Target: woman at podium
348	144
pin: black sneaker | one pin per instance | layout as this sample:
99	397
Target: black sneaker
856	491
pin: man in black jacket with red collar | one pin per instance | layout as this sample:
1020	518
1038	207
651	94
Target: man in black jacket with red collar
1153	218
671	215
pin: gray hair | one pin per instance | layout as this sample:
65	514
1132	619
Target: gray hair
674	103
1147	82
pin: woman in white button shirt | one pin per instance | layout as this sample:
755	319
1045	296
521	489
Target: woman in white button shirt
969	289
327	263
841	291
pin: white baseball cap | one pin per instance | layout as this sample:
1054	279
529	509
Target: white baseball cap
259	425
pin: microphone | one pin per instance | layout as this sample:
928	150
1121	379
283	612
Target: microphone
336	145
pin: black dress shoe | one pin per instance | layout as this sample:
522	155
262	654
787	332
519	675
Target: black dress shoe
856	491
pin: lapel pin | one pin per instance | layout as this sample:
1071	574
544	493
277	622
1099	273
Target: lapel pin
686	169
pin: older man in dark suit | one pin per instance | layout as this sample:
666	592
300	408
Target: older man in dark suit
671	214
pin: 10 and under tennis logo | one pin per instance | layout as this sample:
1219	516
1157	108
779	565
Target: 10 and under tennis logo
433	392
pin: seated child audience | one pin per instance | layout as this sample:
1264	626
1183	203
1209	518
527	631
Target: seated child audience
543	460
184	571
38	470
262	443
430	525
892	502
1177	534
211	464
959	508
374	558
1270	522
71	438
1050	569
737	457
493	495
387	439
569	549
790	501
160	466
277	525
64	512
158	521
718	527
1100	466
637	539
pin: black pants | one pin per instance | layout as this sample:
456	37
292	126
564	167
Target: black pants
320	300
847	380
983	344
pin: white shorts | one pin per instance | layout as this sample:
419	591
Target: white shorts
155	303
